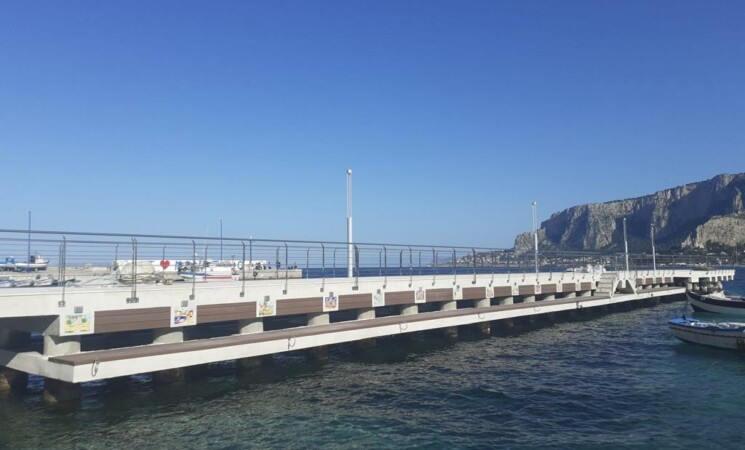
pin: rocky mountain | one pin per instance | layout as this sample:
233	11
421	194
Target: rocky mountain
697	215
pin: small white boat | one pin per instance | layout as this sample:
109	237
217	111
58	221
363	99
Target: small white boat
717	302
35	262
729	335
211	272
44	282
589	268
23	283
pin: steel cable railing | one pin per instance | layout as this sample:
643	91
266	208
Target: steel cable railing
284	259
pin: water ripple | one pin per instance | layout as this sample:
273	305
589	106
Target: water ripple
617	381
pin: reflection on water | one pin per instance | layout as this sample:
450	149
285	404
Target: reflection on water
615	380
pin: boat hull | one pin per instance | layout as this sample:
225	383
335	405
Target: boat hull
207	277
708	303
710	336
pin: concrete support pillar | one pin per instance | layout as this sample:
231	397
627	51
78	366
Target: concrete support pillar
365	314
168	336
483	328
61	345
407	310
12	381
250	364
318	355
506	300
450	333
449	306
695	286
318	319
249	326
689	285
61	395
528	298
549	297
570	294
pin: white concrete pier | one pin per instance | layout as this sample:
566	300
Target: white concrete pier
171	310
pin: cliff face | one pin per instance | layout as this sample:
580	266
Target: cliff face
685	216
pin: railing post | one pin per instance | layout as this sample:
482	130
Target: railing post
420	263
307	263
287	272
356	267
380	263
133	292
62	270
455	270
243	270
434	266
401	263
334	274
509	269
473	251
323	267
385	262
411	270
193	270
493	264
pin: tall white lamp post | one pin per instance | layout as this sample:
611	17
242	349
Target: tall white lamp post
654	258
350	249
535	240
625	244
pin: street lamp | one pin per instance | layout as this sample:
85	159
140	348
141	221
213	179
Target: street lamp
654	259
535	239
28	254
350	250
625	244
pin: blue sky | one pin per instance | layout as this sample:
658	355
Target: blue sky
167	116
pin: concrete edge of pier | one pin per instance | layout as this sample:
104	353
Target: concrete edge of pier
119	362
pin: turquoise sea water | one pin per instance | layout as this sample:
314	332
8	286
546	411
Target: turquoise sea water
618	381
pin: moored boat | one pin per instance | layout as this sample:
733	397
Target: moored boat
717	302
729	335
210	272
8	264
589	268
35	262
